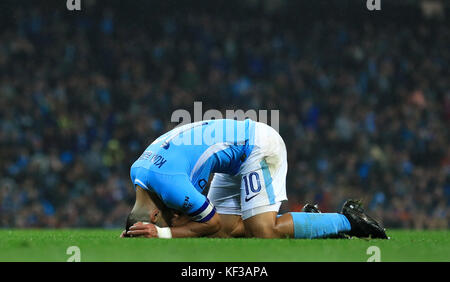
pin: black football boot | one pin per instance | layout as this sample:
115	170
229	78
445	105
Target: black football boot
363	226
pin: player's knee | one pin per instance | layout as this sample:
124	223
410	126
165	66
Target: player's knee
266	234
264	231
262	225
214	224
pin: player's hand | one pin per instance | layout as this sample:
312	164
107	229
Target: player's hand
146	230
124	234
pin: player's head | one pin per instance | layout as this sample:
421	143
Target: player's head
149	208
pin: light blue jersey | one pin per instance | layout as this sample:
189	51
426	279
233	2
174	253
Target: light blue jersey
177	165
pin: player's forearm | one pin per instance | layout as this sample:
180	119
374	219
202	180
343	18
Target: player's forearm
197	229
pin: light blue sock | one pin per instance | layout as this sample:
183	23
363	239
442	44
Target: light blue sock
318	225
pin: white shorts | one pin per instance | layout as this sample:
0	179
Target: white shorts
260	184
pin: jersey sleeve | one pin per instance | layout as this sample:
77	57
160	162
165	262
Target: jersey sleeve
177	192
204	213
138	176
184	197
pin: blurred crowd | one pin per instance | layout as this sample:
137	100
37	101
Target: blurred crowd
364	107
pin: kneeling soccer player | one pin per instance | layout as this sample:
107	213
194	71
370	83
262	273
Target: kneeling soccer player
249	162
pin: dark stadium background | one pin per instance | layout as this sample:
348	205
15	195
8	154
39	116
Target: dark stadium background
364	100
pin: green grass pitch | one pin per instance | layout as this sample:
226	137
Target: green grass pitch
104	245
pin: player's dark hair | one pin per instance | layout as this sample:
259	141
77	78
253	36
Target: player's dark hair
134	218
